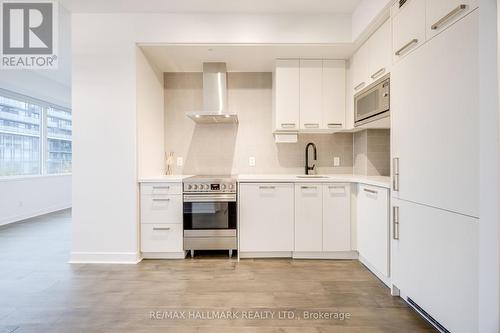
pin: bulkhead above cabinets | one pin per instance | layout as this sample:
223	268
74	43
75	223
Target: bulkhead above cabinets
309	97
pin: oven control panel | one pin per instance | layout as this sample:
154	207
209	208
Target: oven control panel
209	187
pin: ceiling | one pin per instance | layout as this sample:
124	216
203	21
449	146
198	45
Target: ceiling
213	6
238	57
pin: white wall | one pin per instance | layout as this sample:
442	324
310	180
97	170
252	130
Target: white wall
104	104
489	231
150	118
365	14
31	196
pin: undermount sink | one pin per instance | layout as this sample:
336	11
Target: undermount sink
312	176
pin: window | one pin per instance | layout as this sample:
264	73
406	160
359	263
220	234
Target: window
35	137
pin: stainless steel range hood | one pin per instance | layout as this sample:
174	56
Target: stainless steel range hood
214	97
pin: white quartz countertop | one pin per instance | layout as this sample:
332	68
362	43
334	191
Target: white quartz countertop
283	178
349	178
164	178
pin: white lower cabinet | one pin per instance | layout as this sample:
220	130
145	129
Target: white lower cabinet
336	217
161	220
435	259
266	217
308	217
322	218
372	212
161	237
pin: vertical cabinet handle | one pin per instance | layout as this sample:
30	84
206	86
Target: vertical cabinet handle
448	16
395	222
395	174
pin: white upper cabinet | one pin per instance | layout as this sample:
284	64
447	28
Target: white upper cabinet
309	95
333	88
286	98
308	218
336	217
379	46
373	59
311	89
359	69
435	120
441	14
408	27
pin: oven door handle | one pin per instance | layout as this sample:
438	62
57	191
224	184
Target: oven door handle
209	197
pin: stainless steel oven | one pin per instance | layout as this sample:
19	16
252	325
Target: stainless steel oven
373	103
210	216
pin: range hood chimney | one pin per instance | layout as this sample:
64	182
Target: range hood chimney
214	96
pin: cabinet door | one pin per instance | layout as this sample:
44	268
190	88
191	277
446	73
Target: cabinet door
266	216
441	14
161	237
408	28
286	91
311	74
434	262
373	226
336	217
308	218
435	120
380	47
333	94
157	208
359	68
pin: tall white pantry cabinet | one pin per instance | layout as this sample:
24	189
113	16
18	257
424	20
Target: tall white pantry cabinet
435	147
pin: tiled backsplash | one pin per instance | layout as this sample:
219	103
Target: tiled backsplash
216	149
372	152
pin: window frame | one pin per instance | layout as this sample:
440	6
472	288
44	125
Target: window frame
43	144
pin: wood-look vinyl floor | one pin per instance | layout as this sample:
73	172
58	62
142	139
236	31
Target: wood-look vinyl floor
41	292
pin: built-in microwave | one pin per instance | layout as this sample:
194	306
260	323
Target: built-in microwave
373	102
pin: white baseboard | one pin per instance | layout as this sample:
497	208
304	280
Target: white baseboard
385	279
163	255
28	215
105	258
281	254
347	255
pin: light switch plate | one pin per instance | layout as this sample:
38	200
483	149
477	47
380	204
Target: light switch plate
251	161
336	161
180	162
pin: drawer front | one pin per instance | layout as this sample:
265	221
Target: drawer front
161	237
161	188
161	209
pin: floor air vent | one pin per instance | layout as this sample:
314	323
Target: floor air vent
427	316
401	3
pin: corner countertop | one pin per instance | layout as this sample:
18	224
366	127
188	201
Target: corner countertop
350	178
285	178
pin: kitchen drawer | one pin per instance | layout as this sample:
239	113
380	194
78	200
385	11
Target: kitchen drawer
161	238
161	188
161	209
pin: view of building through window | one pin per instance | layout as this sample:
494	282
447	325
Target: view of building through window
35	138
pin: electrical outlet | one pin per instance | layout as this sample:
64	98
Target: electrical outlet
336	161
180	162
251	161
